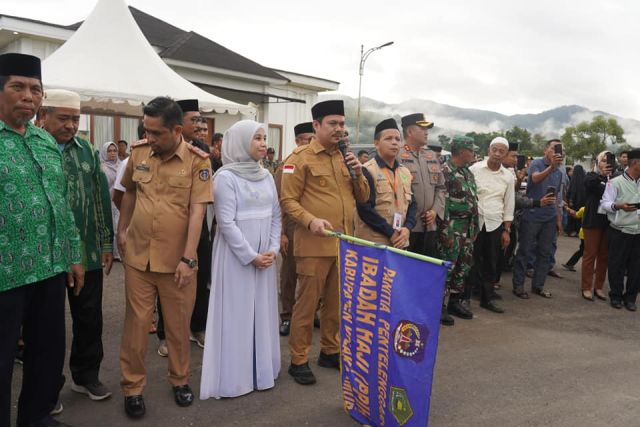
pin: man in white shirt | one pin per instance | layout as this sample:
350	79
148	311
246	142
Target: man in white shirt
496	201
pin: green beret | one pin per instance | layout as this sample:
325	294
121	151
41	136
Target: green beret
461	142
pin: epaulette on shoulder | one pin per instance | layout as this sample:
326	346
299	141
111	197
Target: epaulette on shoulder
198	151
300	149
139	143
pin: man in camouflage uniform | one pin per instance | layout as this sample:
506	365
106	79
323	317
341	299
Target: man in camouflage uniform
462	214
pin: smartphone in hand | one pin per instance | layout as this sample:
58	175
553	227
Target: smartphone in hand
558	149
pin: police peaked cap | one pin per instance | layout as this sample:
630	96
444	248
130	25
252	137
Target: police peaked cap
416	119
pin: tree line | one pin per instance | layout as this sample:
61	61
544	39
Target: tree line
582	141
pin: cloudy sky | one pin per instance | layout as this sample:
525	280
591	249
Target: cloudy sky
507	56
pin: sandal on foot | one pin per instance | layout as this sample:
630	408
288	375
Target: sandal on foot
521	293
542	292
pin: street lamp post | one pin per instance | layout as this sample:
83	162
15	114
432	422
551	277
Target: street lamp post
363	57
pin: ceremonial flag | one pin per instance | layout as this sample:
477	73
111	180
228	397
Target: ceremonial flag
389	325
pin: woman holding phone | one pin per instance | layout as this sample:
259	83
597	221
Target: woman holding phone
595	226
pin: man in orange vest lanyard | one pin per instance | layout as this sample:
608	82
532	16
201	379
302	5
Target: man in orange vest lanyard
390	212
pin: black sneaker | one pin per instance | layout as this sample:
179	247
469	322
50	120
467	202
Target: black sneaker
329	360
134	406
445	318
95	391
285	328
302	374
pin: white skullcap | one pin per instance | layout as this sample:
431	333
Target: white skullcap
500	140
61	98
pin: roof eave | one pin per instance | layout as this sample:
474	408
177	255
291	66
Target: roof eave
225	72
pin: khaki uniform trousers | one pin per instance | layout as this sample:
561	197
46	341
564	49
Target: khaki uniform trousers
141	288
288	281
317	278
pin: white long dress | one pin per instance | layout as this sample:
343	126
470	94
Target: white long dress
242	345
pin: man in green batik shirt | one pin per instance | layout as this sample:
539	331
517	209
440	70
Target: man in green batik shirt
461	210
39	246
88	195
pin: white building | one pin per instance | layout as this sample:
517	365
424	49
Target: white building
282	98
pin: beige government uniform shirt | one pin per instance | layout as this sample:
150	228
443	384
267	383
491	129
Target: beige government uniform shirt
165	189
316	184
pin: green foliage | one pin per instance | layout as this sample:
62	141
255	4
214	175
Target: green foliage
623	147
482	140
522	137
538	142
587	139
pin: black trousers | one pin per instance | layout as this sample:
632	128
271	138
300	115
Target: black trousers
39	309
506	256
201	307
86	346
577	255
486	256
624	256
424	243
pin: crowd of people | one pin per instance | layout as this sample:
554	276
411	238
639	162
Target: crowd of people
199	229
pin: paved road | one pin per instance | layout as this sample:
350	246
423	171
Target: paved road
559	362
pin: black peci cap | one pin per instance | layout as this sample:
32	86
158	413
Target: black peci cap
306	127
18	64
327	108
386	124
513	146
188	105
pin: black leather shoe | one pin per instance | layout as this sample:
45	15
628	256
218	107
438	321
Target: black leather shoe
285	328
302	374
445	318
183	395
456	308
492	306
631	306
329	360
616	303
495	295
134	406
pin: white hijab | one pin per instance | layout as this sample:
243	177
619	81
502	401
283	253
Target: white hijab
236	144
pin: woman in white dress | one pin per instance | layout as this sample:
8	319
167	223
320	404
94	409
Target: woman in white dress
242	345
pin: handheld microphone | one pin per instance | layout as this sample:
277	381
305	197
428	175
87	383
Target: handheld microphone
342	146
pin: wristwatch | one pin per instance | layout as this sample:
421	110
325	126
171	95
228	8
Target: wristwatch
192	263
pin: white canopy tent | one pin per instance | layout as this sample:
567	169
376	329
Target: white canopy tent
110	63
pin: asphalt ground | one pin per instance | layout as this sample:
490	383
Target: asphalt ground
558	362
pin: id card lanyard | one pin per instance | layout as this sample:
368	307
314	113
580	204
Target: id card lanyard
397	216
